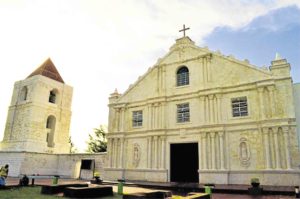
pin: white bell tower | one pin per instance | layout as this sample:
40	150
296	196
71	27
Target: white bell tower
39	115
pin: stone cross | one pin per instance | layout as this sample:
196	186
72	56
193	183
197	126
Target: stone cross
183	30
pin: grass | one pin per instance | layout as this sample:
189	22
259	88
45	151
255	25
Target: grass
34	193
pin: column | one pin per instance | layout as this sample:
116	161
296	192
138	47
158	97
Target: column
213	151
114	153
272	100
199	153
211	104
215	109
162	119
150	107
206	109
277	153
202	109
221	141
117	119
149	152
286	146
204	151
122	120
261	102
163	152
117	153
121	153
219	108
154	152
267	148
205	77
109	147
208	69
158	152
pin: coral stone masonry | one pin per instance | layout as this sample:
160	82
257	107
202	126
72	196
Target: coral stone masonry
214	118
39	115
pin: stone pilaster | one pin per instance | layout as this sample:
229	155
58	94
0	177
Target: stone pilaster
219	108
277	152
221	141
286	146
267	148
213	150
211	109
261	102
163	152
272	104
121	165
155	139
204	151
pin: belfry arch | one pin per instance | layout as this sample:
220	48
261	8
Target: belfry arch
50	126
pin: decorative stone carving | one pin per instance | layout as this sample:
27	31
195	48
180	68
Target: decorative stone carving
244	152
136	155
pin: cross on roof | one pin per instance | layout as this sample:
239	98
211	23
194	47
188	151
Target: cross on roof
183	30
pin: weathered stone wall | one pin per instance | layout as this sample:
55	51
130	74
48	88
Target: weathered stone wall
66	165
26	129
296	88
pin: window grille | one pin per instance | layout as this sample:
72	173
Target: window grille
239	107
183	113
137	118
183	76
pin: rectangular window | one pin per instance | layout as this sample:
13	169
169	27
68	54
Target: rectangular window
137	118
183	113
239	107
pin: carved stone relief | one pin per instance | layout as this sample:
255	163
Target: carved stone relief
136	155
244	152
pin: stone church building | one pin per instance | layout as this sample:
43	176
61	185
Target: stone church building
195	116
200	116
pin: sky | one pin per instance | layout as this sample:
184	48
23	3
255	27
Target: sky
99	45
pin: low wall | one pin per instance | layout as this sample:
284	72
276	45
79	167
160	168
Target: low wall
67	165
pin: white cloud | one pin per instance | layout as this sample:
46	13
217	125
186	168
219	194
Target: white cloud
100	45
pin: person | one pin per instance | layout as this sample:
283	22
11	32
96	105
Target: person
3	174
24	181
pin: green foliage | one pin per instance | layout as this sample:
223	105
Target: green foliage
97	142
73	149
254	180
25	192
35	193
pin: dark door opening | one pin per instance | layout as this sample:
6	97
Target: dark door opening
184	162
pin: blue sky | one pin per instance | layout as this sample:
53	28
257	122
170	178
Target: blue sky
260	40
98	46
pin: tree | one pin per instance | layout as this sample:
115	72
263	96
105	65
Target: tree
97	142
73	149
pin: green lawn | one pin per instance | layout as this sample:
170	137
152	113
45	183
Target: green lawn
34	193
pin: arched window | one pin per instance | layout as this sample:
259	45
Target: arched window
23	94
52	96
50	125
183	76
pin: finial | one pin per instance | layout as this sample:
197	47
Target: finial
277	56
116	91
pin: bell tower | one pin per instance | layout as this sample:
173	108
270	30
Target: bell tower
39	114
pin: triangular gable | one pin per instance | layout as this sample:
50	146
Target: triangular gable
49	70
185	50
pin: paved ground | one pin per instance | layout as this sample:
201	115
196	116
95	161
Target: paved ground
132	189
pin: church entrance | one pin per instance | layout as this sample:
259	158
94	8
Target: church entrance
184	162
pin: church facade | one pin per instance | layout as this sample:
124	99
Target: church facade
200	116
